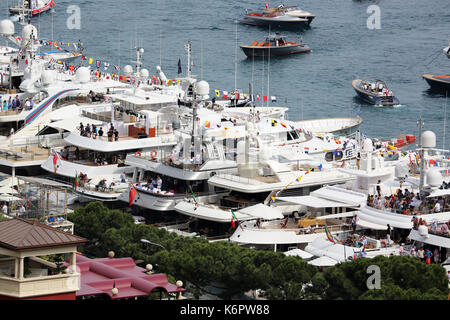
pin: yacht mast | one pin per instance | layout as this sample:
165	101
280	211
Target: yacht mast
188	48
420	124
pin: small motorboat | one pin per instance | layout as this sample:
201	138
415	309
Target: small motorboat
32	7
447	51
275	45
293	11
375	91
278	18
438	82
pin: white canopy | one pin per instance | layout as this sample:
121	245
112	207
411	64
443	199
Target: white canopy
314	202
299	253
8	198
338	215
439	193
323	262
338	252
262	211
432	239
371	225
8	189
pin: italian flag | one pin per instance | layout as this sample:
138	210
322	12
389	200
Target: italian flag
76	182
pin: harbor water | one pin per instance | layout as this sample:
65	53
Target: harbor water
313	85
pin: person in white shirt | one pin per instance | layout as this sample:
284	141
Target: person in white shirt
437	207
27	105
5	209
21	210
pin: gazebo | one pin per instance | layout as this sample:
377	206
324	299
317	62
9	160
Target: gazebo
24	273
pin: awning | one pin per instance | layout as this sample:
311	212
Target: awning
323	262
371	225
439	193
8	198
338	252
299	253
262	211
432	239
314	202
338	215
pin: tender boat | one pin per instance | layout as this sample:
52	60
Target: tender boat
439	82
275	45
375	91
337	126
276	17
32	7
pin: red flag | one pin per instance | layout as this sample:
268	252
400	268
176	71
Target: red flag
232	223
132	195
265	98
55	161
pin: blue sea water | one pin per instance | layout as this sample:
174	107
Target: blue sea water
313	85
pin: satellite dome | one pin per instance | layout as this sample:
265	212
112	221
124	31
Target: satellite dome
401	170
47	77
423	230
428	139
434	177
128	70
6	28
145	74
83	75
29	32
367	145
203	88
158	68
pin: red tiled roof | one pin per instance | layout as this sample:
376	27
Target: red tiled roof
20	234
99	276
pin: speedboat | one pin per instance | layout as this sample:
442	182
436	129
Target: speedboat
274	18
294	11
375	91
32	7
275	45
439	82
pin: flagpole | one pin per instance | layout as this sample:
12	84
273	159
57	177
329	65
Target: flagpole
268	73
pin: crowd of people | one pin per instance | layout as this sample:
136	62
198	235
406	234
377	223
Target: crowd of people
91	131
406	202
155	185
13	104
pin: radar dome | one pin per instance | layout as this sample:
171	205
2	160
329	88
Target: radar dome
368	146
203	88
83	75
128	70
401	170
158	69
6	28
47	77
423	230
428	139
29	32
434	178
145	74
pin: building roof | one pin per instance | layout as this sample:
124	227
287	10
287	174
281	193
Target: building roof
21	234
99	276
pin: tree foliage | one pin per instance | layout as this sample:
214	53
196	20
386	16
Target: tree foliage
239	269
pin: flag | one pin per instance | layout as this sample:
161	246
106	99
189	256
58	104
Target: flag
232	223
179	66
132	195
55	160
117	67
193	197
273	198
217	92
234	218
320	167
91	60
76	182
207	124
265	98
225	94
299	178
267	5
283	125
329	236
98	64
273	98
306	150
257	97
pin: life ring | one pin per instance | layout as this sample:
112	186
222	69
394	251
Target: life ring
138	154
154	153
